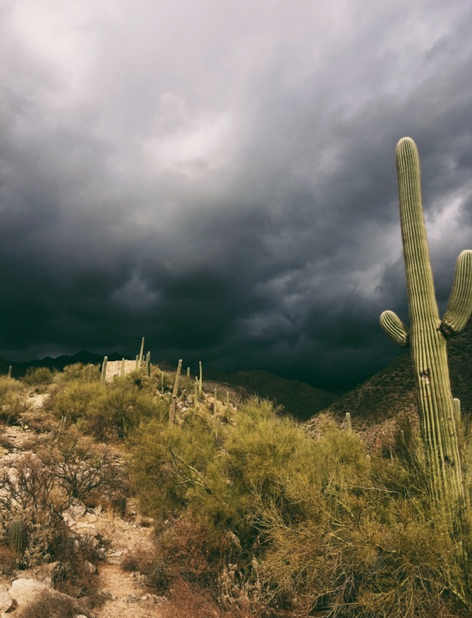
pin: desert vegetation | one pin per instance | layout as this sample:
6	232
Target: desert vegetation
253	512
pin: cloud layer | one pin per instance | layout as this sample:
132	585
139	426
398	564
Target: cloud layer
220	177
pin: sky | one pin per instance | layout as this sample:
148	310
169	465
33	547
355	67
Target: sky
219	177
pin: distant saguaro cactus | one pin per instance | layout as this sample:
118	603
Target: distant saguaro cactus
141	352
428	334
104	370
175	393
200	383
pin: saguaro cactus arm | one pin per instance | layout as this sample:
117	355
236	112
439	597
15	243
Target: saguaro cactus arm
395	328
459	306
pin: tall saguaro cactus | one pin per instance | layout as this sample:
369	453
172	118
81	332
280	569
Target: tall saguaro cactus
428	334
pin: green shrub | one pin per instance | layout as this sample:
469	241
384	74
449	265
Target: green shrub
296	524
11	399
110	411
120	408
75	399
79	372
38	376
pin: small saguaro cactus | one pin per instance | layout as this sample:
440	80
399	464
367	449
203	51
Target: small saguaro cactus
200	383
148	364
428	334
175	393
141	352
104	370
348	422
18	537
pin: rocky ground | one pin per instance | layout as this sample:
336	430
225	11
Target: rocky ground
122	593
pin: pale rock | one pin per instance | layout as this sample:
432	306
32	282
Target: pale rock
26	590
114	557
6	602
75	511
42	573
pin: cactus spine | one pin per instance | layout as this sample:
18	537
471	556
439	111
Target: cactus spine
17	536
428	333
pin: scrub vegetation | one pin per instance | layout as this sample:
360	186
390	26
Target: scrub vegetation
254	512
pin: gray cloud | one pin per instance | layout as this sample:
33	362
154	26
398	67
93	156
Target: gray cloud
221	177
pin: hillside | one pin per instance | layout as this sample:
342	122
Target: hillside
296	398
157	501
391	390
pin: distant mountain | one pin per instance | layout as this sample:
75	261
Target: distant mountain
391	390
297	398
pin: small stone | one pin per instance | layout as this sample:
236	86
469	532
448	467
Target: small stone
114	557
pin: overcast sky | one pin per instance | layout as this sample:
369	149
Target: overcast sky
220	176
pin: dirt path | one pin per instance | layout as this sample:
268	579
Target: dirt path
126	596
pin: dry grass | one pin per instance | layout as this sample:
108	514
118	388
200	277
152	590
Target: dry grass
50	605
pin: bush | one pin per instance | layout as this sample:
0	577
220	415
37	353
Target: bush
12	401
50	605
80	466
36	376
73	402
271	520
110	411
78	372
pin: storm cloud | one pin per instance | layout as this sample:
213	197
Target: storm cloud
220	177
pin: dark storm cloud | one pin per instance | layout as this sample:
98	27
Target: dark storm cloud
221	179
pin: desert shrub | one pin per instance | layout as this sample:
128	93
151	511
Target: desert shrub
28	492
191	601
73	401
106	412
269	519
80	466
8	560
152	566
36	376
38	488
11	399
76	557
119	409
50	605
78	372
